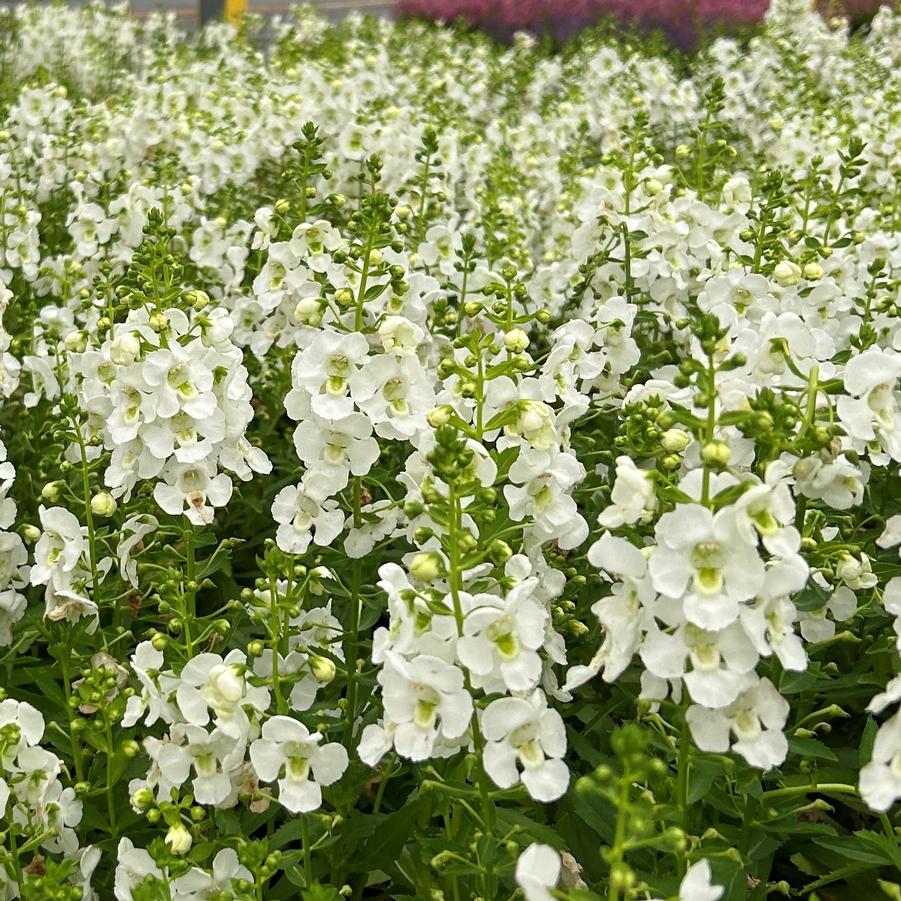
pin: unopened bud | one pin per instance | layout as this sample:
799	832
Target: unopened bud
675	441
323	669
103	504
426	567
179	839
516	340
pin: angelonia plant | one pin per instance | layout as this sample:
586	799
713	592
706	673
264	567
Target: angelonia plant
436	470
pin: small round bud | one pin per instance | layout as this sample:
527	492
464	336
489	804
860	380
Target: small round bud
179	839
426	567
142	799
716	453
160	642
197	299
787	273
103	504
516	340
675	441
440	416
50	492
813	271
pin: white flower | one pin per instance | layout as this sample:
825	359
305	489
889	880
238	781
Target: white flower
720	661
133	865
197	884
537	871
134	530
395	393
152	701
525	741
755	719
625	613
696	885
632	496
880	778
193	489
541	480
770	621
211	755
209	682
287	747
323	371
870	412
59	548
424	698
501	638
332	450
303	519
703	558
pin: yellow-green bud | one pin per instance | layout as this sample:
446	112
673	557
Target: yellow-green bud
179	839
675	441
516	340
427	566
103	504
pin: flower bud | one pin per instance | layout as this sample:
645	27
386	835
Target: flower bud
716	453
282	205
198	299
50	492
103	504
787	273
179	839
426	567
159	641
440	416
344	297
675	441
516	340
499	552
142	799
322	668
30	533
308	311
76	342
813	271
158	322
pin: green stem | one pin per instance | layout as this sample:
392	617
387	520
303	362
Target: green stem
275	629
683	767
619	838
352	634
110	753
189	597
454	579
307	850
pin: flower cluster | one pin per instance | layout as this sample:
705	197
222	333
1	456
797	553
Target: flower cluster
444	470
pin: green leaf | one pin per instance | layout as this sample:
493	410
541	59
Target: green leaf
810	747
387	842
852	847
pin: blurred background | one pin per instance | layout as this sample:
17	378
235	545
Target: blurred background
685	23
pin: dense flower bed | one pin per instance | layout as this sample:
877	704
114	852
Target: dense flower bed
683	23
433	470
